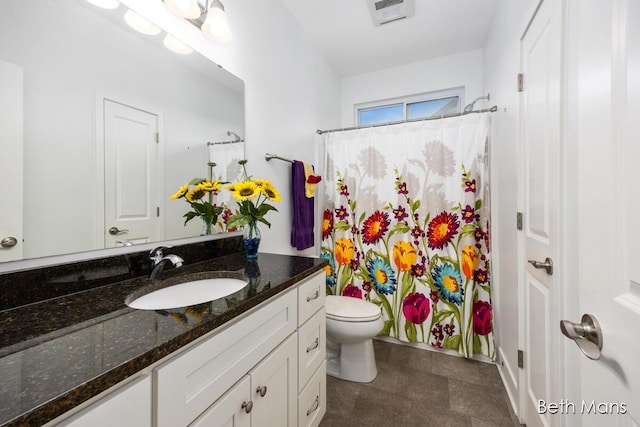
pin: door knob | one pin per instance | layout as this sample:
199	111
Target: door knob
114	231
588	335
8	242
547	265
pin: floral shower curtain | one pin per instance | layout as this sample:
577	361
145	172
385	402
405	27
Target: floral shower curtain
406	226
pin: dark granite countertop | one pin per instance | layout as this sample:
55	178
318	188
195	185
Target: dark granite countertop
60	352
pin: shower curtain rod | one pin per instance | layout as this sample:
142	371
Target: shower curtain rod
224	142
268	157
443	116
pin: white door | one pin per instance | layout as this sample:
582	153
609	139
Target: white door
607	160
11	164
131	175
233	409
540	190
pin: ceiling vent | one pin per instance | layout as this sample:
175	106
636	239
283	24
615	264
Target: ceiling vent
385	11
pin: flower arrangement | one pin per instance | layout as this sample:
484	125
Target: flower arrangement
252	195
194	193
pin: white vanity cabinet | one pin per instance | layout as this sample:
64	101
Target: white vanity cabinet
312	368
127	405
265	369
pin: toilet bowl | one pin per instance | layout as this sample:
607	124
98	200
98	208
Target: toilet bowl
351	325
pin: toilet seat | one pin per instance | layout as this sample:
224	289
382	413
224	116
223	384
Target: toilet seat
349	309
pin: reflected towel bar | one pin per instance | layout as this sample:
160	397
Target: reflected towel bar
268	157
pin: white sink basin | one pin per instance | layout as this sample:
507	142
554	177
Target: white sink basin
189	293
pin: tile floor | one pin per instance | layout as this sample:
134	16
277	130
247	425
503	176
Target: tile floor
416	387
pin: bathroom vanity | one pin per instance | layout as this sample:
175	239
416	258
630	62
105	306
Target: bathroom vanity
256	357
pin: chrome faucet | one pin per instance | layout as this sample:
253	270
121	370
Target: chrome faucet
158	260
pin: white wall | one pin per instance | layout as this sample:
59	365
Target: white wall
501	66
445	72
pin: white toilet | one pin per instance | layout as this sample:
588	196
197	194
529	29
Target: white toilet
351	325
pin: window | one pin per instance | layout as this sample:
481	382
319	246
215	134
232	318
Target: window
432	104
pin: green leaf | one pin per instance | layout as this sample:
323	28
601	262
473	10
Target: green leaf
196	181
478	204
452	342
477	344
410	330
415	205
342	226
362	217
388	324
468	230
437	317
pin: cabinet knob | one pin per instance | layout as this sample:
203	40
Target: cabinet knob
247	406
262	390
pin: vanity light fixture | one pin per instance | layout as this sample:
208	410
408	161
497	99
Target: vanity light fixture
105	4
216	24
141	24
175	45
189	9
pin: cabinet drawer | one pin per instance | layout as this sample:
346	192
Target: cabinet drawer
311	296
311	347
312	402
189	383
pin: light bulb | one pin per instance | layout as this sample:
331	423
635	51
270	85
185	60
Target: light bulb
175	45
216	25
184	8
141	24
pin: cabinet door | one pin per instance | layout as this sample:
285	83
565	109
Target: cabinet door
129	405
274	387
230	410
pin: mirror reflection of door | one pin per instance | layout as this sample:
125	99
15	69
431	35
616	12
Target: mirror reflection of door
11	138
131	149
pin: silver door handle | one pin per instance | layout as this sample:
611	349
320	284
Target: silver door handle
588	335
547	265
8	242
114	231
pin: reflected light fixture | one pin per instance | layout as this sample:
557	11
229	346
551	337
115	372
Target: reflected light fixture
216	24
175	45
140	24
184	8
105	4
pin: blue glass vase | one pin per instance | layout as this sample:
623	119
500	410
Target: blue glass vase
251	240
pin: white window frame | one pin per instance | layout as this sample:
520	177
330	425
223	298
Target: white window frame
410	99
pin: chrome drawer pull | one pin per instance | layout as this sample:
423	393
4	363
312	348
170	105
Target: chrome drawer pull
315	296
262	390
314	345
247	406
317	404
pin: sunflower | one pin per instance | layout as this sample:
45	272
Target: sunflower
441	230
382	276
211	186
244	190
196	193
448	281
374	227
262	182
181	192
269	191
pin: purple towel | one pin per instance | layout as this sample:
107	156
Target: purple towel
302	229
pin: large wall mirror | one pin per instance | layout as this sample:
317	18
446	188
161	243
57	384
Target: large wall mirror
99	126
